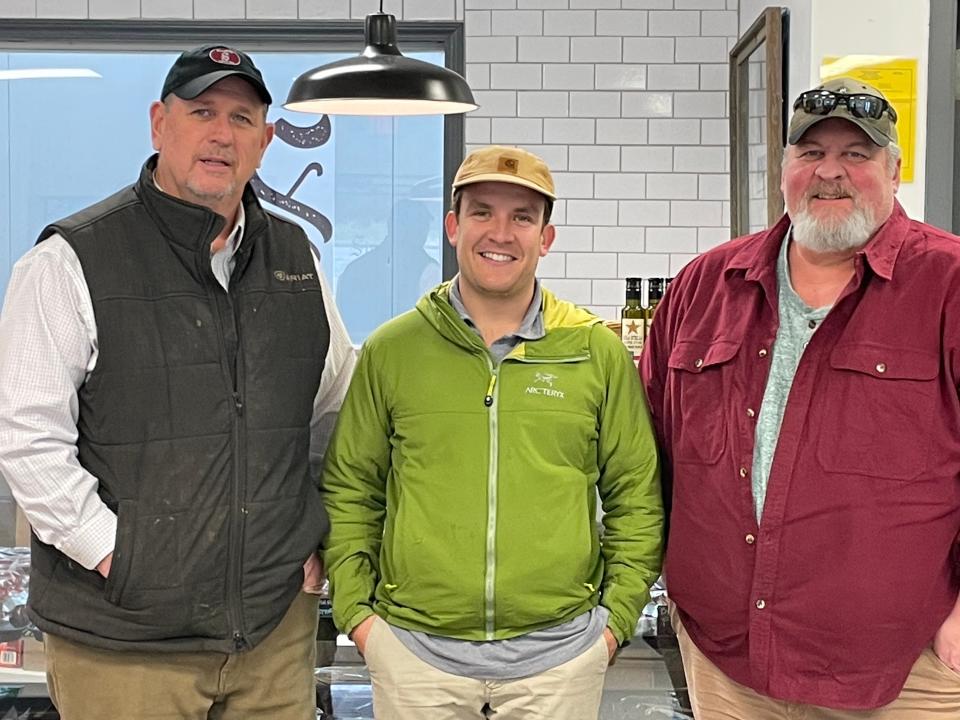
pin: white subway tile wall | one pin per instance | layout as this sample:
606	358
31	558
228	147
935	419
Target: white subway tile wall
620	186
361	8
574	185
478	75
62	9
478	133
542	4
236	9
625	99
518	131
116	9
544	49
544	104
429	9
619	239
19	9
518	22
170	9
476	22
572	131
265	9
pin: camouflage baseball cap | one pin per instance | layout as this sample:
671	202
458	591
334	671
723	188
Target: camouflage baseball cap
855	101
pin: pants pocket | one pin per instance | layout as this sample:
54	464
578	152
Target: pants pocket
943	667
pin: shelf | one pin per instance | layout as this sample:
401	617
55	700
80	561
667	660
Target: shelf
16	676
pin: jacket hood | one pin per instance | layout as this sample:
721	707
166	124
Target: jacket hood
558	314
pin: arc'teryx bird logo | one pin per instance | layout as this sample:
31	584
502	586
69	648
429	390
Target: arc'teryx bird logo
544	378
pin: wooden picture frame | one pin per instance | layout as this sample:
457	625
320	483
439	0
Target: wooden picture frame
757	123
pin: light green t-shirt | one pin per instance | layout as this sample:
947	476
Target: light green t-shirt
798	323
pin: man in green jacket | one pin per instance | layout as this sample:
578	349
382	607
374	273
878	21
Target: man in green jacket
462	480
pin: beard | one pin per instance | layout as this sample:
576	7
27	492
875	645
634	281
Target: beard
833	234
211	189
204	193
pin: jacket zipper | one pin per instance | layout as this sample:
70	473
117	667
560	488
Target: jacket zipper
239	487
490	573
493	479
234	597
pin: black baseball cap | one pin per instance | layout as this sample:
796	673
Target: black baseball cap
196	70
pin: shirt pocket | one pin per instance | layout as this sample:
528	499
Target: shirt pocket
700	378
882	399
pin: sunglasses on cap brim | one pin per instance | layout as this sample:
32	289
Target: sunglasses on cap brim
860	105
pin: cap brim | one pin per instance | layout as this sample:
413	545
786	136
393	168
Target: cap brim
504	178
801	123
197	86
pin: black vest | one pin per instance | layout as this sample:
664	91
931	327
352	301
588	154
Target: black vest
196	423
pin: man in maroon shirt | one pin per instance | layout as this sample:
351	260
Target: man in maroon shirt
804	387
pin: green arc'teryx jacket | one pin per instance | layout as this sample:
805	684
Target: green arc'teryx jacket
462	494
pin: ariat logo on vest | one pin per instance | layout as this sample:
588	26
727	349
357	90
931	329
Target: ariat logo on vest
283	276
543	385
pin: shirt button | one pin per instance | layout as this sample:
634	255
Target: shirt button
761	604
743	472
811	324
698	362
750	412
881	367
762	352
750	539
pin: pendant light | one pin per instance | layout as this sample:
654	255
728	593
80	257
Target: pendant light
380	81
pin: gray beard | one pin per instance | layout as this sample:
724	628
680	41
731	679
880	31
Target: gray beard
204	195
824	236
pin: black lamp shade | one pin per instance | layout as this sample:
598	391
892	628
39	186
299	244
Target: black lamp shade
380	81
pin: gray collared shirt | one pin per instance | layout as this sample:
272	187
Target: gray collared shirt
531	327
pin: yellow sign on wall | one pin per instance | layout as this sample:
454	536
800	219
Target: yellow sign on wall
896	78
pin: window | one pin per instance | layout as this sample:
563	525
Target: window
370	192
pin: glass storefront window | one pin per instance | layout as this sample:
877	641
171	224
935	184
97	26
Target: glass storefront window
368	191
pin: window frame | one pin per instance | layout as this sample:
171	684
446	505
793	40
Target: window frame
65	35
765	39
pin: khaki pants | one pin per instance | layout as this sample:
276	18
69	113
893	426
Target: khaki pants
406	688
274	680
932	692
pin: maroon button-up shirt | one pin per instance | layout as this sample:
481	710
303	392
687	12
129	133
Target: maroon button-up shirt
854	566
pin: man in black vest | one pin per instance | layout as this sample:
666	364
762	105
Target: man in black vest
170	363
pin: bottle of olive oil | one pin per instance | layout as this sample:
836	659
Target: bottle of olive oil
655	290
632	319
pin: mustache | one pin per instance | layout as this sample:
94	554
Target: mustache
215	155
831	190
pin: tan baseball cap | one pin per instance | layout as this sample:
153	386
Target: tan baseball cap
882	130
497	163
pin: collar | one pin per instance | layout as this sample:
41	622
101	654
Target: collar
757	254
235	236
194	226
531	327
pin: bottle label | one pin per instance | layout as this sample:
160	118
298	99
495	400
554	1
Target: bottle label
648	314
631	333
